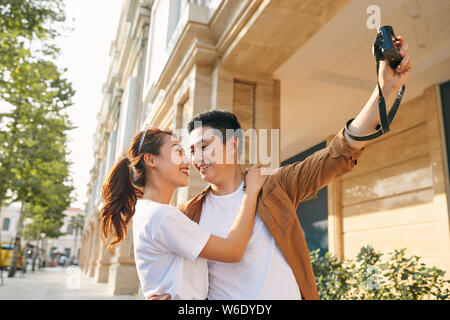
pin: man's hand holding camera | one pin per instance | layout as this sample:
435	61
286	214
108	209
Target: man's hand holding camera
391	80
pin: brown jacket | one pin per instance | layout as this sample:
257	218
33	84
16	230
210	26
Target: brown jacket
280	196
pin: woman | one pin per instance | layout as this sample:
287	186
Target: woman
169	249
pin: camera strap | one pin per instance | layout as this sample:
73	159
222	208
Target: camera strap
385	119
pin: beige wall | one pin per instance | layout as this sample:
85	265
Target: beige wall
395	197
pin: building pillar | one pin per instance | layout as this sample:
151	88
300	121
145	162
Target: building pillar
192	97
88	249
103	263
335	216
94	249
437	151
200	101
122	276
82	249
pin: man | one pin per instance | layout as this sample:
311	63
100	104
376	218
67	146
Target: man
276	263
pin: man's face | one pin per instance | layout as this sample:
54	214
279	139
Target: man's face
209	154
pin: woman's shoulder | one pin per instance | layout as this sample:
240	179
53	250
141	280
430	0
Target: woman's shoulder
155	211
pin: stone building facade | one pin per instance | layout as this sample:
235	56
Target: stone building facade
305	68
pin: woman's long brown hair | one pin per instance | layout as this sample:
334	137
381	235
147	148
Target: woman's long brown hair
124	186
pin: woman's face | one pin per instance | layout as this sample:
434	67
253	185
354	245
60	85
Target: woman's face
172	165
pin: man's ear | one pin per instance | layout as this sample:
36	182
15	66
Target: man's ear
150	160
234	144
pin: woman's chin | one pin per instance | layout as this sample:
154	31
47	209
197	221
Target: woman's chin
183	182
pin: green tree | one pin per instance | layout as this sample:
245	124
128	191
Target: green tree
34	124
37	153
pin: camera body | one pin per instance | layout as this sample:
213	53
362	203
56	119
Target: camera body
384	48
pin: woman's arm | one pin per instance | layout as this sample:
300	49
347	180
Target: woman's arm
232	248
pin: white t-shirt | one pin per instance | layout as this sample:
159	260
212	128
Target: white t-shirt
166	246
263	272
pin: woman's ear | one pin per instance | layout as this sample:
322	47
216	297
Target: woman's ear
150	160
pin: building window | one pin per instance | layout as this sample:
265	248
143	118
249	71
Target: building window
5	224
69	229
174	15
67	252
313	211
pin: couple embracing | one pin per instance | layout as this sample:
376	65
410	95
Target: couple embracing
240	238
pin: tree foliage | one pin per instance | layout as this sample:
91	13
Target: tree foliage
34	97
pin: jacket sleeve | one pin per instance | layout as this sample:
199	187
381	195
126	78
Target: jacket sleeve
305	178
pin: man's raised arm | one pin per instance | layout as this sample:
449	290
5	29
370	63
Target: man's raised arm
302	179
390	81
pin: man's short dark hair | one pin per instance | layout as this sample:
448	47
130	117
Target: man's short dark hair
220	120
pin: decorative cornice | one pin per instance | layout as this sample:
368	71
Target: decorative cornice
200	42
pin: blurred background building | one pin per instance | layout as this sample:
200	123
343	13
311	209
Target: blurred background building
304	67
64	250
9	222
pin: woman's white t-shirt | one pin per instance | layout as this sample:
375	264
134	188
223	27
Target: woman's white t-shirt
166	246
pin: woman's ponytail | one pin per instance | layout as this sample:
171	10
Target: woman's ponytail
120	197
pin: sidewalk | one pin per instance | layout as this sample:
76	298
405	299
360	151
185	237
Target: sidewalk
56	284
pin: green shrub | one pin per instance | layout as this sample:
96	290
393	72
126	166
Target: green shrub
371	277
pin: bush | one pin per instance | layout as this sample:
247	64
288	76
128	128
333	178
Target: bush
372	278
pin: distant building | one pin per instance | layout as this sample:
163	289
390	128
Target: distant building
9	220
305	68
65	245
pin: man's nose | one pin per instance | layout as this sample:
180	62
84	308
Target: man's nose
197	158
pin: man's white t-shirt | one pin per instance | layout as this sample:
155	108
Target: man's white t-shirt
166	246
263	272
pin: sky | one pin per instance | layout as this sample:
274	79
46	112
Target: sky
85	53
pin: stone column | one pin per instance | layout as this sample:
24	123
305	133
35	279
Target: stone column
103	263
437	151
94	249
199	101
82	251
87	253
192	97
122	276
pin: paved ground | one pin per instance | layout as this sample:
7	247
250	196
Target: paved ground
56	284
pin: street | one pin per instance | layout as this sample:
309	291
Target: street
56	284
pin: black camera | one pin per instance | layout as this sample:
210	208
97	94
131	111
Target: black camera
384	48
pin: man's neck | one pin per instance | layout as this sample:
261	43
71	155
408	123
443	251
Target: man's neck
230	183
